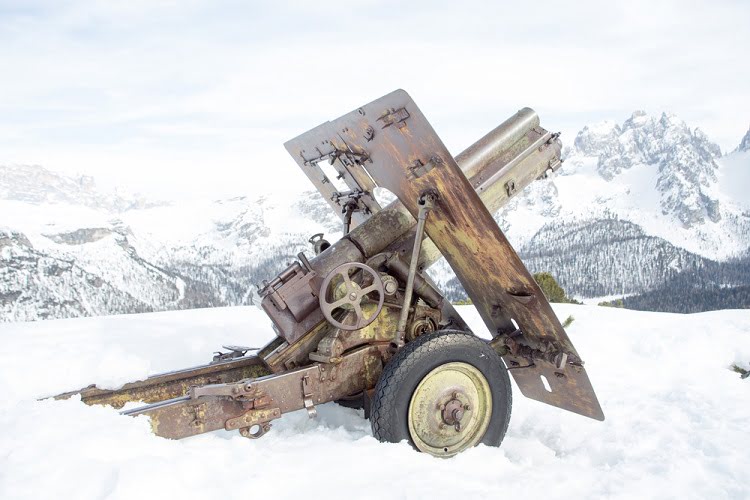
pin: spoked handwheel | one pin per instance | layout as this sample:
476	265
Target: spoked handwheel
444	393
347	287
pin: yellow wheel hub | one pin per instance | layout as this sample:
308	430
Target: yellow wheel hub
450	410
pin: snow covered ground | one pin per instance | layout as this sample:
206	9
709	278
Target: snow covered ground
677	419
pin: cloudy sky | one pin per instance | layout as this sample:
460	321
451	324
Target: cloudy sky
196	98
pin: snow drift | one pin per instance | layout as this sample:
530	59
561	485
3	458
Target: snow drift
676	419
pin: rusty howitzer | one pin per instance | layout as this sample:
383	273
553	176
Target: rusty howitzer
362	324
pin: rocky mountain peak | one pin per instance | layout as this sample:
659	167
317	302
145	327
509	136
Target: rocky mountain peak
637	119
684	160
35	184
598	139
745	143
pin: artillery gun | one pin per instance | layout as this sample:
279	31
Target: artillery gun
362	324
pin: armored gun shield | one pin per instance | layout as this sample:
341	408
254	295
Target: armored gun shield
389	143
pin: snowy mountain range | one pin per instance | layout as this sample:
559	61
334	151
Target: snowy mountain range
637	208
81	257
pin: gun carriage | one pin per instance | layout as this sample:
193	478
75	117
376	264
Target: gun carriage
361	323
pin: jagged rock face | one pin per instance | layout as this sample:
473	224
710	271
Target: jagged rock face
81	236
683	158
312	205
745	143
35	285
602	141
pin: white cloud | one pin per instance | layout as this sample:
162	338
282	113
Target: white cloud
175	96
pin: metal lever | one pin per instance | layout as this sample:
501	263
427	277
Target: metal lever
307	395
426	203
235	351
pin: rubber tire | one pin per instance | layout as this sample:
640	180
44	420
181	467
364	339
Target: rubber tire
402	374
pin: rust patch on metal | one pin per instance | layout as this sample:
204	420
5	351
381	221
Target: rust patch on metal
172	384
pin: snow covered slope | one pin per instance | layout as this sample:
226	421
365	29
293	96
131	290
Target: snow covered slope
67	250
676	419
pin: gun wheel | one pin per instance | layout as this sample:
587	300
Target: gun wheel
444	393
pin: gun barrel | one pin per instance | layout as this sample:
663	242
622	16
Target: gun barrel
497	145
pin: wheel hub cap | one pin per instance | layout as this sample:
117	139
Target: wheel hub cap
450	409
453	413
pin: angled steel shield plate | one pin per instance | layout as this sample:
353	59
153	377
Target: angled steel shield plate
402	153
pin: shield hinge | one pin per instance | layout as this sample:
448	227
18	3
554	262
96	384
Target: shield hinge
418	168
394	116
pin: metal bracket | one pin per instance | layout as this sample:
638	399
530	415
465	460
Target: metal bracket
251	418
307	397
344	197
534	351
200	415
418	169
262	430
347	157
394	116
235	351
238	390
369	133
554	164
349	201
319	243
